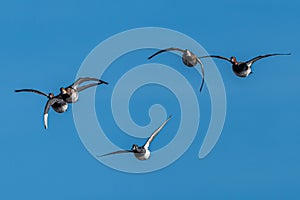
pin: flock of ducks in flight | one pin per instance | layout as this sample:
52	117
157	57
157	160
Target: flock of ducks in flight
70	94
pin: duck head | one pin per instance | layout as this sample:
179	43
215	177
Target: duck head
233	59
63	90
51	95
134	147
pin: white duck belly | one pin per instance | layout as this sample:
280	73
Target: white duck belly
143	156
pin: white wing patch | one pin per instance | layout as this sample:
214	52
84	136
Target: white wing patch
46	120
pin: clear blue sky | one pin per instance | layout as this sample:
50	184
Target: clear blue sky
257	157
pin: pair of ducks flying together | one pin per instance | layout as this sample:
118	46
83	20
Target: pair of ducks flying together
241	69
67	95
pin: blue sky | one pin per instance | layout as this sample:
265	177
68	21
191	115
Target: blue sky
43	45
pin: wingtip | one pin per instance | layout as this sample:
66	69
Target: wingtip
104	155
285	54
170	116
201	87
46	126
103	82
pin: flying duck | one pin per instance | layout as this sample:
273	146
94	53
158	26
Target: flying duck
141	152
56	102
243	69
188	58
70	94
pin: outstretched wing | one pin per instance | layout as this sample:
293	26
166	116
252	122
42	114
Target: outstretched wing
164	50
202	71
154	134
91	85
215	56
267	55
117	152
32	90
82	80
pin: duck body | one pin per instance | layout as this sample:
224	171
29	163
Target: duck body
242	69
141	153
60	107
189	59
